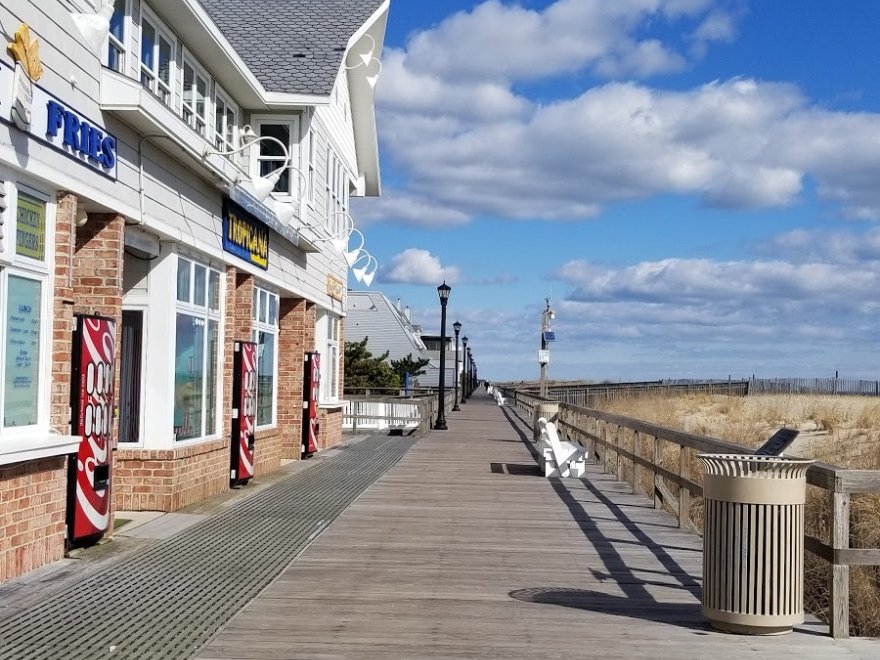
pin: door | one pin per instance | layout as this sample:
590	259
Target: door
131	375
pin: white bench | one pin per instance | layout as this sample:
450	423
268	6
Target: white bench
498	398
558	458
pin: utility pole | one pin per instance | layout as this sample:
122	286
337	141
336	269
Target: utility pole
544	354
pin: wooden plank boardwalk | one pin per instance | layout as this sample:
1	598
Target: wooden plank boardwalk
462	551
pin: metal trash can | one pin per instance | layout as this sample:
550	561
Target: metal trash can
549	410
753	542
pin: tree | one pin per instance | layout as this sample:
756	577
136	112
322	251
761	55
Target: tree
409	365
362	369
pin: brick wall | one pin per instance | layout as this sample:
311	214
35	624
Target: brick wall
32	511
170	479
291	347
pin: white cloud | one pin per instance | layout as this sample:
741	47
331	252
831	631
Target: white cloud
416	266
406	208
456	122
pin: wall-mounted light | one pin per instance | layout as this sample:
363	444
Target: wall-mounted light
82	216
262	186
95	27
367	272
351	256
366	60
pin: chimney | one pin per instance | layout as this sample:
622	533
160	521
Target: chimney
408	314
398	305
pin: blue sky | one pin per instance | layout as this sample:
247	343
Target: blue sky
692	183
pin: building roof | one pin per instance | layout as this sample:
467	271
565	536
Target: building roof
292	46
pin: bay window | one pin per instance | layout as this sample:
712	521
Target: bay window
225	122
116	38
197	350
195	96
265	329
157	49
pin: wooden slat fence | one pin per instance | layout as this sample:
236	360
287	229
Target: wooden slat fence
633	449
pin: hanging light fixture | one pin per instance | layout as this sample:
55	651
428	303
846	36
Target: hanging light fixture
95	26
364	273
351	256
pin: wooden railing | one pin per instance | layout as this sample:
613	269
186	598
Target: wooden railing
616	442
589	395
363	413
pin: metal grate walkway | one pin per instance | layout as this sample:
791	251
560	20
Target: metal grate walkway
168	599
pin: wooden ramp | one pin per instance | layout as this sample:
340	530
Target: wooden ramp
463	551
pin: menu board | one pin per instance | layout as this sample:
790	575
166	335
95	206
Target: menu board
22	352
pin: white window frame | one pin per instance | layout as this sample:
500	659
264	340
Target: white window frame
294	123
150	77
329	348
228	140
201	125
121	47
310	167
204	312
21	443
261	322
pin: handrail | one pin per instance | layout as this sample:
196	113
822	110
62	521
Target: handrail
605	434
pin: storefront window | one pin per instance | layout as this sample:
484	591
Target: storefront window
22	368
22	291
265	319
197	351
327	336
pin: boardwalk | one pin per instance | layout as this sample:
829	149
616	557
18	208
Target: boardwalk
462	551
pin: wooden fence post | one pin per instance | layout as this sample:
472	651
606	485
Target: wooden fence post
618	442
840	572
637	469
658	503
684	495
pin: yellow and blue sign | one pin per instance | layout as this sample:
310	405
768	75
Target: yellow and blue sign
244	236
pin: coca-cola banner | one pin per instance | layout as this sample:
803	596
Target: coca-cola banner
94	351
244	409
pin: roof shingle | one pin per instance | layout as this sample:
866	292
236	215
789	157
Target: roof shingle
291	46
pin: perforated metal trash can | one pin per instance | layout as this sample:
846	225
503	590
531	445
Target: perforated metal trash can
549	410
753	542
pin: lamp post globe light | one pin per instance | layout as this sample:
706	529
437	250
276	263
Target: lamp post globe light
457	327
464	370
443	291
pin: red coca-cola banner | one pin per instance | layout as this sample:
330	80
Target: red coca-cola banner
244	405
94	351
311	391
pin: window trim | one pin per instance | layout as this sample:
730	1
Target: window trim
188	59
162	30
328	347
257	326
204	312
122	46
232	106
294	146
34	440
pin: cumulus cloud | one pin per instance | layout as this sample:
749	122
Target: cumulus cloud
458	125
416	266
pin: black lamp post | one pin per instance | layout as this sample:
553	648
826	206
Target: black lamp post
464	371
470	373
457	327
443	291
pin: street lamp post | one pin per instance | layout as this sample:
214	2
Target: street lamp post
443	291
470	360
457	327
464	371
544	354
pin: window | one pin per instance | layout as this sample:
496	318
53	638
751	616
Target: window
116	38
271	156
225	122
197	350
195	96
310	174
23	284
337	190
156	58
265	328
328	334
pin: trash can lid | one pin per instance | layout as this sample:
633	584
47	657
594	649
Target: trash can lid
750	465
